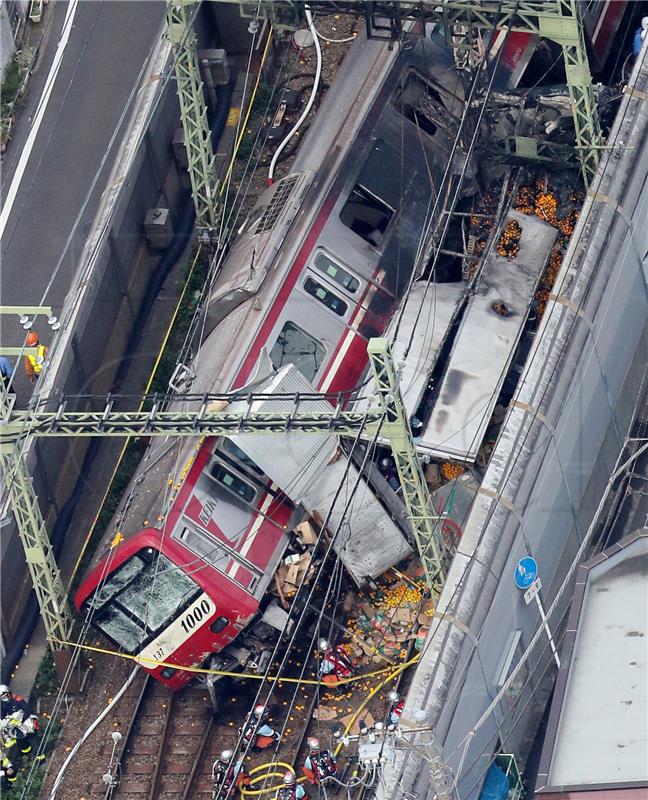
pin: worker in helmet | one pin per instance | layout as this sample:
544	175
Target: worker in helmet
227	773
396	703
24	723
256	730
9	703
290	790
335	662
319	764
7	770
34	364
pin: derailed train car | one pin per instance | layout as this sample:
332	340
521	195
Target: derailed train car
316	271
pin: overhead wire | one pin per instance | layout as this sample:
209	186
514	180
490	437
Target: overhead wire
304	610
53	276
534	413
85	628
311	99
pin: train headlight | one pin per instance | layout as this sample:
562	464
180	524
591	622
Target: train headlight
168	672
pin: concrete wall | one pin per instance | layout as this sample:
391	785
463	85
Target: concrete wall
114	272
548	471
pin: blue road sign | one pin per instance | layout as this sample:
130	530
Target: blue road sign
526	571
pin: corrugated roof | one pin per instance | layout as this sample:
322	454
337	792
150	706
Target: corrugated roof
291	460
598	729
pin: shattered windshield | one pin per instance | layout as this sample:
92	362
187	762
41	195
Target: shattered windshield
140	598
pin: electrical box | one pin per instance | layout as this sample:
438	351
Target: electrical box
158	228
214	66
377	752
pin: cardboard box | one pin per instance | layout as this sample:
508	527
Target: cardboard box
306	532
355	728
324	713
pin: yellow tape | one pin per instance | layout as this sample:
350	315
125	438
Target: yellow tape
151	662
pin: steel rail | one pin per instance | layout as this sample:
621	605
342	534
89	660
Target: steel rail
191	779
126	740
157	772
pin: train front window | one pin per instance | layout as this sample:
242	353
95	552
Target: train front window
143	596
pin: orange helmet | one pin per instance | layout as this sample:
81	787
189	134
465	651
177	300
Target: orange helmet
32	339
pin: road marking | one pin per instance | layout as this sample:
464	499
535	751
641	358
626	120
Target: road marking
38	116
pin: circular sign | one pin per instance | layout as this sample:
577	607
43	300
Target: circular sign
526	571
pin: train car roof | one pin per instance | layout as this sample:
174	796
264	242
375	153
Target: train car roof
485	344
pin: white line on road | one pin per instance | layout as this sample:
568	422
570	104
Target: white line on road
38	116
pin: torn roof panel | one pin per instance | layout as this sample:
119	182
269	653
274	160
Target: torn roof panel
485	344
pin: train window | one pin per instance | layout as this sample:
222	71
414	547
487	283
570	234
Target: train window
326	297
203	545
366	214
333	271
128	571
234	450
231	481
422	104
158	594
295	346
140	598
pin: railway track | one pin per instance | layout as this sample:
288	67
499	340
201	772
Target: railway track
173	739
169	746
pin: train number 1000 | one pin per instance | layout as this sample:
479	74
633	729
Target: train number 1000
195	615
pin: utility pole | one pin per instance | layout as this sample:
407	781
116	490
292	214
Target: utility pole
420	510
39	556
193	112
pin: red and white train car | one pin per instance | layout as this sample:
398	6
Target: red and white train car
317	269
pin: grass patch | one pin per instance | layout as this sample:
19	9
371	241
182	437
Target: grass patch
194	282
11	82
259	108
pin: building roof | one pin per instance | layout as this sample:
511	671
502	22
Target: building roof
597	735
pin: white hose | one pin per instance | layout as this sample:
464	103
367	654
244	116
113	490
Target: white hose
311	99
337	41
99	719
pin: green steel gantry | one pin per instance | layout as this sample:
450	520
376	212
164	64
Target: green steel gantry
193	113
39	556
18	426
396	428
557	20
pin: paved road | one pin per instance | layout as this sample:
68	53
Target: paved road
108	43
